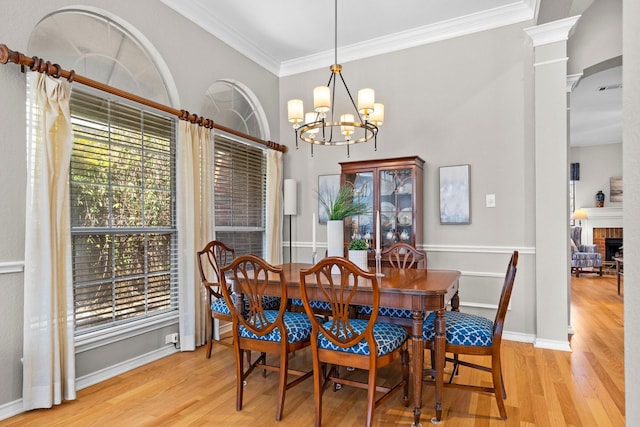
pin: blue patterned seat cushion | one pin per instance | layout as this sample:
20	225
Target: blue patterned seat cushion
270	303
586	259
219	305
298	327
316	305
462	329
388	338
387	312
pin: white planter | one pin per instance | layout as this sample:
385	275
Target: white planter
359	258
335	238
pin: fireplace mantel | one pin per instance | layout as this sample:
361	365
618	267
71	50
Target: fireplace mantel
607	217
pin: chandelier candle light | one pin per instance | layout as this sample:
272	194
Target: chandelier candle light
351	128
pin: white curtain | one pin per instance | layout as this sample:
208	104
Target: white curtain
48	347
195	225
274	216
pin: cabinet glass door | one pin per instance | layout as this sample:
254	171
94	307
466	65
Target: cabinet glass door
396	207
361	226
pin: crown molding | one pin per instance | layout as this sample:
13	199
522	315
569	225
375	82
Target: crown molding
201	15
552	32
572	81
464	25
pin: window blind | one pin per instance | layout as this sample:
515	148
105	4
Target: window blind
240	195
123	218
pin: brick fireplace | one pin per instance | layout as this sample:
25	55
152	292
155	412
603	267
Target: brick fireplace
609	240
608	222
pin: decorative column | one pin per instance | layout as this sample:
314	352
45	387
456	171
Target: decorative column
631	168
552	265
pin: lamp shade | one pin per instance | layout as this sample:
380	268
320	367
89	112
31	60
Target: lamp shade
295	110
321	99
348	118
579	214
366	99
290	197
377	117
310	118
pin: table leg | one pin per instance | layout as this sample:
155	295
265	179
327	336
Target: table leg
439	344
618	265
418	364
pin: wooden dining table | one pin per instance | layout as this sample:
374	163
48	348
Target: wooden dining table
419	290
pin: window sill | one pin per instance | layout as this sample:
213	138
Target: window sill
96	339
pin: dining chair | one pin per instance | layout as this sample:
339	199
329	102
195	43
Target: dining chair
404	255
259	329
399	255
469	334
214	255
351	342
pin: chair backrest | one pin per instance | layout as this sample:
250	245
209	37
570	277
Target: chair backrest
403	255
210	259
319	283
250	276
576	235
505	297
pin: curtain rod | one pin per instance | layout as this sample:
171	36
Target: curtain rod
54	70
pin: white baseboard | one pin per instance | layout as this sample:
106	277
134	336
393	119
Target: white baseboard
11	409
519	337
552	344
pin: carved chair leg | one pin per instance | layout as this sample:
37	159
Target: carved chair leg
498	386
405	375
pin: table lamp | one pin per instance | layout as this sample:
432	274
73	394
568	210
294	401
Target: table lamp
579	214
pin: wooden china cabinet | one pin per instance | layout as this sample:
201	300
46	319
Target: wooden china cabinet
393	187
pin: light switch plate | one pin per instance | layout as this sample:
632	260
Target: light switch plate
490	200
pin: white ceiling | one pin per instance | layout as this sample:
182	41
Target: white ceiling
596	109
292	36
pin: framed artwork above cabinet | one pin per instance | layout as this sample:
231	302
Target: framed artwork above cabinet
393	187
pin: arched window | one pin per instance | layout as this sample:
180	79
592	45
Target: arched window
240	167
233	105
122	179
97	46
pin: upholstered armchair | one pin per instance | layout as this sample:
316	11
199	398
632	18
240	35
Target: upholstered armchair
583	256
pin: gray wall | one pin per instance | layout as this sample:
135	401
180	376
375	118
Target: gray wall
195	60
469	109
597	36
598	164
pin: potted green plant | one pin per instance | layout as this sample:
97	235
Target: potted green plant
339	205
358	245
358	253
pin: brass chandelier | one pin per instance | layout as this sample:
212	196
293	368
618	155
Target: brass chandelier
320	126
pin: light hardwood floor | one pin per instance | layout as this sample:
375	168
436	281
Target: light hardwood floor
584	387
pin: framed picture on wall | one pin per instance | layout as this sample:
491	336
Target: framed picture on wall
615	189
328	187
455	194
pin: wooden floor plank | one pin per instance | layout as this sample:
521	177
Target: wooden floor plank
584	387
